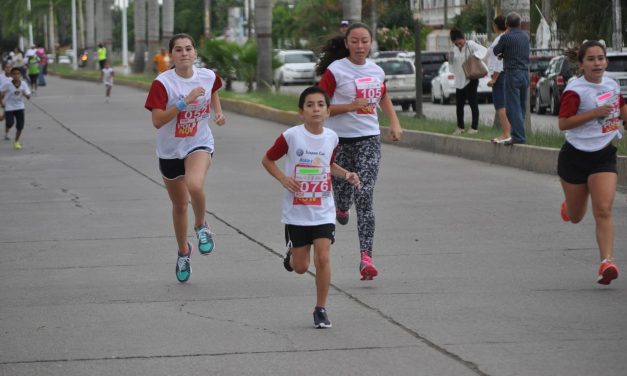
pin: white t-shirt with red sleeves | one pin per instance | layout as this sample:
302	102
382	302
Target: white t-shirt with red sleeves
309	160
14	96
344	81
581	96
189	129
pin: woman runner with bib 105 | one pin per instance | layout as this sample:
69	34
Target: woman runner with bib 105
590	112
180	100
356	86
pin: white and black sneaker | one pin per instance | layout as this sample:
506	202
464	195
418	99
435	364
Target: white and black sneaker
286	261
321	319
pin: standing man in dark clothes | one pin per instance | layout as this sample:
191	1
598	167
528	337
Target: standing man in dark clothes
513	48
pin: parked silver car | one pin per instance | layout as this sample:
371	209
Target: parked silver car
400	81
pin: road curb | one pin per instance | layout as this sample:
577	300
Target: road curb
531	158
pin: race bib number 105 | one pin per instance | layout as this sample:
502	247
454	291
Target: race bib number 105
371	89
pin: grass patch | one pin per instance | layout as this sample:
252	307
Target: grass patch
290	103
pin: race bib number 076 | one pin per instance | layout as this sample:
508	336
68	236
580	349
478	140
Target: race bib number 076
315	184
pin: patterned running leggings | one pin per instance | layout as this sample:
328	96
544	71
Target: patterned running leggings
363	158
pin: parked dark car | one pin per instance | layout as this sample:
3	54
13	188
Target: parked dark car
550	87
539	62
431	63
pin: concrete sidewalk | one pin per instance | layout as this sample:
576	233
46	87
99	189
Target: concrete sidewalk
478	273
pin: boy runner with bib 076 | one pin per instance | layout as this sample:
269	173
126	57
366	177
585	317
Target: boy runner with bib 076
308	206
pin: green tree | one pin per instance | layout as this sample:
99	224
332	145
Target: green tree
472	18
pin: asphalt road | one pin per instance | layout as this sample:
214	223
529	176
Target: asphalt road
478	274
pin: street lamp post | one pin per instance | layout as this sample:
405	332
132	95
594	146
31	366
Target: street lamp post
74	37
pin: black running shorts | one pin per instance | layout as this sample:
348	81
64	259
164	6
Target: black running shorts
575	166
174	168
299	236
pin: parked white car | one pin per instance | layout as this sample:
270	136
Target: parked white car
297	66
443	86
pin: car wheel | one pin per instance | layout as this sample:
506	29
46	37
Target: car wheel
281	81
405	106
539	109
413	106
433	98
445	100
555	107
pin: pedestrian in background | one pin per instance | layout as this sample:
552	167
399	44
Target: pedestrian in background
102	55
513	48
497	82
592	110
106	76
465	89
356	86
13	94
181	100
162	61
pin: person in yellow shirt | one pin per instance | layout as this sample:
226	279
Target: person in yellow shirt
102	55
162	61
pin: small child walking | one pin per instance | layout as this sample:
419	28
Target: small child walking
106	75
13	93
308	205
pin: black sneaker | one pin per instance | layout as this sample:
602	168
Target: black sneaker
183	266
321	320
286	261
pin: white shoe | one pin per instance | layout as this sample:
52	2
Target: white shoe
473	131
458	131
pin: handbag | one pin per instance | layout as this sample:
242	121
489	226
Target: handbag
473	67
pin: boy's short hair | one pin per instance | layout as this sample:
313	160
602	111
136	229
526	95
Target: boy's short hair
15	69
312	90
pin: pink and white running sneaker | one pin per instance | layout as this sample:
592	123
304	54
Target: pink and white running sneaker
366	267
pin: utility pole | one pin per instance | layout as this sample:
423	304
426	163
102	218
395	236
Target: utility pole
445	14
418	61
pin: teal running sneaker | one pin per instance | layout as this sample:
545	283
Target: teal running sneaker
205	239
184	266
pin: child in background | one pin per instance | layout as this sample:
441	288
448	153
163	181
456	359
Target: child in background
591	109
106	75
12	100
308	206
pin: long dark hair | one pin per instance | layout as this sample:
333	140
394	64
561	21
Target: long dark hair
335	47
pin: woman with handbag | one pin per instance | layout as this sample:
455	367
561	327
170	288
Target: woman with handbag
467	67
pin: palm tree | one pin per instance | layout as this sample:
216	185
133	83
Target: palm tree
139	21
99	22
81	24
351	10
263	30
107	26
153	33
207	19
91	40
167	22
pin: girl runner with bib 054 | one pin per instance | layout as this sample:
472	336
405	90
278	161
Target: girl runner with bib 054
590	112
180	101
356	86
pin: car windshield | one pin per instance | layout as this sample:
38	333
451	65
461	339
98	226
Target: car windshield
299	58
396	67
617	64
539	65
432	59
